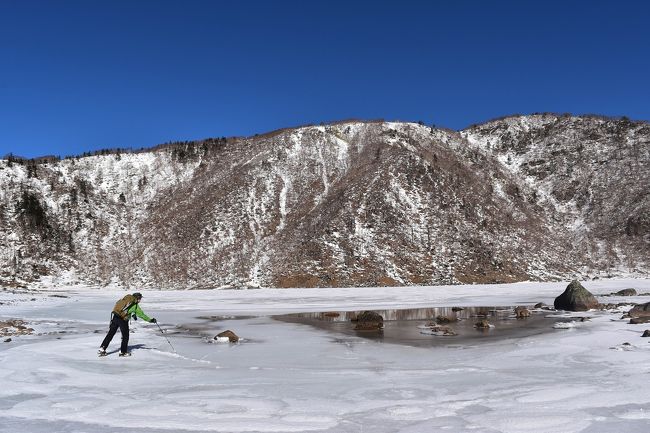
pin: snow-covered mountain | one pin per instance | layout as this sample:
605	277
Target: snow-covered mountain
592	173
349	204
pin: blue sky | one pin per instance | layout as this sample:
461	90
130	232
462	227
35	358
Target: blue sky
82	75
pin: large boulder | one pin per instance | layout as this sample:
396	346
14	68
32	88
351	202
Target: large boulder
575	298
369	321
640	311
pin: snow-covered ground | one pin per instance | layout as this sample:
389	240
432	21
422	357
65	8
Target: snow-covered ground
288	377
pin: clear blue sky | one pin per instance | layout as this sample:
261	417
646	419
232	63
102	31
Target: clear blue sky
82	75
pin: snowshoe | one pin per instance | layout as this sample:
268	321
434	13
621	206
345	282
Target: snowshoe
102	352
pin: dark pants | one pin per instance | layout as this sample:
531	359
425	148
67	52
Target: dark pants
117	322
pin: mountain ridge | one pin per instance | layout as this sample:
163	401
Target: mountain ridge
343	204
173	143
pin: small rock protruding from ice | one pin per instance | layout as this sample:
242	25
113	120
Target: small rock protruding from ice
623	347
483	325
522	312
626	292
226	336
446	319
437	330
646	333
640	311
14	327
639	320
369	321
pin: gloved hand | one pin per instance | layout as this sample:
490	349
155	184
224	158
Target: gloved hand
153	320
134	317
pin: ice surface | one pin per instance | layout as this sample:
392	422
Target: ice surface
288	377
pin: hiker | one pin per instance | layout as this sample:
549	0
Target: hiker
122	312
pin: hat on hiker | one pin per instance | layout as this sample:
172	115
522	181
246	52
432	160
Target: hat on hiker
137	295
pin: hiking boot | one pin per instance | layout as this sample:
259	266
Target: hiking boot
101	351
125	353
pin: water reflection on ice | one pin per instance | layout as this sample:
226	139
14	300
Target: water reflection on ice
404	326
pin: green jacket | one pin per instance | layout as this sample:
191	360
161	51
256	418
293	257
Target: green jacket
127	306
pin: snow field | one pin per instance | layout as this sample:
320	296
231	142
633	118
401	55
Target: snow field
288	377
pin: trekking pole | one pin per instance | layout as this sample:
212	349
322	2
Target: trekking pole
163	333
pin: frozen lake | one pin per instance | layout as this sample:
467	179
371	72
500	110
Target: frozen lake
300	373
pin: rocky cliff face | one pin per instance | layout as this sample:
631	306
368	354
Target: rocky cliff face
592	173
348	204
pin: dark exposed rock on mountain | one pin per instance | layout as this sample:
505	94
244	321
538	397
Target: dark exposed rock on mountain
540	197
575	298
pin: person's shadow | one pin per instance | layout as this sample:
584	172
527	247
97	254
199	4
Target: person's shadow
130	348
138	347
